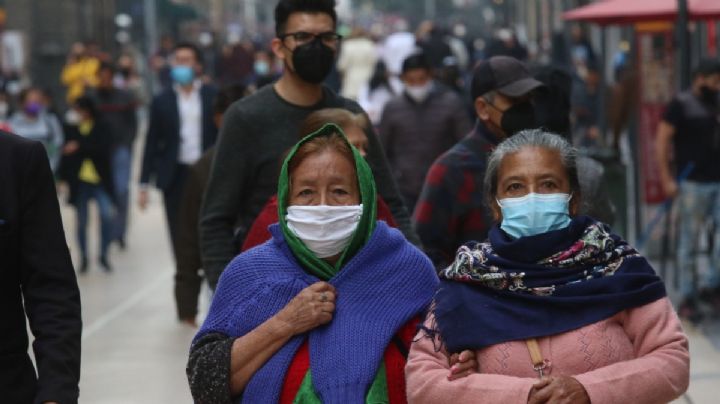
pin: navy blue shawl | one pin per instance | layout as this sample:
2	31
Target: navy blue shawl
470	315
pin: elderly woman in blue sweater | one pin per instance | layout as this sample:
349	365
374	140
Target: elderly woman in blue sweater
325	310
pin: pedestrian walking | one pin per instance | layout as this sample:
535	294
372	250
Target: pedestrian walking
554	305
451	209
690	128
356	63
181	128
419	125
118	108
80	71
87	167
188	262
278	331
33	121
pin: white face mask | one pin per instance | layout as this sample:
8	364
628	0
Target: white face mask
419	93
325	230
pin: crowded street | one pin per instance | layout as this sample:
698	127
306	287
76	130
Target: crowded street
135	352
359	201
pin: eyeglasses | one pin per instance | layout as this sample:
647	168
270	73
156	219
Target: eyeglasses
301	37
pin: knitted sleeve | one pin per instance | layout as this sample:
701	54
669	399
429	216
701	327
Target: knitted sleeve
427	373
208	369
661	370
239	287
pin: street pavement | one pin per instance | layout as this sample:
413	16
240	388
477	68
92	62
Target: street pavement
134	349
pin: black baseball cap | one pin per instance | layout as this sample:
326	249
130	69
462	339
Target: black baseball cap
504	74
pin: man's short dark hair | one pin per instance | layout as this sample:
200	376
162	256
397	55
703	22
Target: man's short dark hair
193	48
415	61
706	67
286	7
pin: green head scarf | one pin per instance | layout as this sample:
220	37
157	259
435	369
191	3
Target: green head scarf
366	184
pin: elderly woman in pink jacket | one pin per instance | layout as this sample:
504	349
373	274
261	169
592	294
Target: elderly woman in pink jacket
557	308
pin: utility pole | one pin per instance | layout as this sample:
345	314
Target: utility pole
683	43
151	34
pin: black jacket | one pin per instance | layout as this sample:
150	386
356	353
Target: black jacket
37	279
96	146
163	136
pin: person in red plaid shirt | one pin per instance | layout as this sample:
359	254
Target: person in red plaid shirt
451	210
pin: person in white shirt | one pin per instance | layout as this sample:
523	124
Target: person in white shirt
181	128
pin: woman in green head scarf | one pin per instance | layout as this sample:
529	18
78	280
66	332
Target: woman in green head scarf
325	310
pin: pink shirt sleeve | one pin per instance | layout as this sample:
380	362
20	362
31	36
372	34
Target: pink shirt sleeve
427	380
660	371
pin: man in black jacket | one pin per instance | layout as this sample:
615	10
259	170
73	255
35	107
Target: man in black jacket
37	280
259	128
181	129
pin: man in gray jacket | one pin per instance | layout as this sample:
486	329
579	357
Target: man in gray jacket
419	125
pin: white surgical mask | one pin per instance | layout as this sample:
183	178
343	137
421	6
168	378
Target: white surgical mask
325	230
419	93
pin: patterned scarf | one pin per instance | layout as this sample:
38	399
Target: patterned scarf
596	252
513	289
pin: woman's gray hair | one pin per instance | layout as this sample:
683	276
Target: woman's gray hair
531	138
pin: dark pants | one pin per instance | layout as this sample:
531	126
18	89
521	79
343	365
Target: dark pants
121	160
172	195
86	192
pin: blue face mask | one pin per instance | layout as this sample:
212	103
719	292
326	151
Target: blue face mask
534	214
182	74
262	68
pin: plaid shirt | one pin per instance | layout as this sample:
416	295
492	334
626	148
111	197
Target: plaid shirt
451	210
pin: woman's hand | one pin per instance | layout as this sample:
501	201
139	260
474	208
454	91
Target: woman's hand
311	308
558	390
462	364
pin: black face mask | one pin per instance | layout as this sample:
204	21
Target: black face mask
313	61
519	117
708	96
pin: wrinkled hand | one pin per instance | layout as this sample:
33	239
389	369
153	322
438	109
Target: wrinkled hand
311	308
462	365
558	390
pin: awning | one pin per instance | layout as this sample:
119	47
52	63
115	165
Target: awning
631	11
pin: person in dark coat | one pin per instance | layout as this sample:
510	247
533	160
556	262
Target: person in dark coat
118	107
37	280
181	129
87	169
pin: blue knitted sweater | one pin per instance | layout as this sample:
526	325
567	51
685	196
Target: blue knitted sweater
386	284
